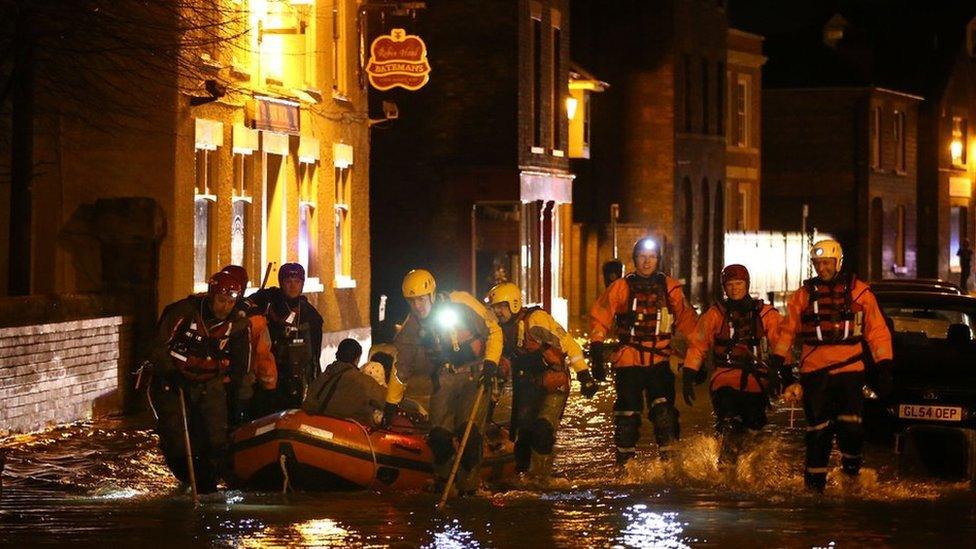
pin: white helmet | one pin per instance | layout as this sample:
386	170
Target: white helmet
826	249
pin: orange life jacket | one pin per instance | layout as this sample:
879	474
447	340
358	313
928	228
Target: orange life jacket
831	316
742	339
649	316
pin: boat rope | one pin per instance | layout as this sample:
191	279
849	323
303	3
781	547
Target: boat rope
372	451
285	483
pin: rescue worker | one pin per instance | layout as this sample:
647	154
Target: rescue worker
261	367
541	354
344	391
836	315
296	336
197	343
643	310
455	340
738	332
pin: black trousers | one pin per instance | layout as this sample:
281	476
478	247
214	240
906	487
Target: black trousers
736	413
834	405
635	385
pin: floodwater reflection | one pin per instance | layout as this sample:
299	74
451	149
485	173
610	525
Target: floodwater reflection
646	529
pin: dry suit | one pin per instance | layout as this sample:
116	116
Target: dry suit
643	313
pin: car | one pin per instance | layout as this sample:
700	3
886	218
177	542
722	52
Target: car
934	401
933	285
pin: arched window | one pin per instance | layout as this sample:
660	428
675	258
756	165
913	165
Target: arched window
685	243
704	242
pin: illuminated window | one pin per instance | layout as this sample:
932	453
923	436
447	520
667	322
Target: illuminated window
742	115
957	147
876	137
285	36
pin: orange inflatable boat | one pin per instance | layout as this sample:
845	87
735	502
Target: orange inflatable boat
327	453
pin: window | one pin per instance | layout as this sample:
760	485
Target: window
876	138
284	38
720	98
557	97
960	140
340	67
686	92
536	76
742	120
245	142
742	208
958	229
705	98
899	137
307	221
208	137
900	236
343	215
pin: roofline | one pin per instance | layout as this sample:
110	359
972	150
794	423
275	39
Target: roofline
850	88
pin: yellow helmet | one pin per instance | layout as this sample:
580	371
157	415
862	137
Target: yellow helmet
826	249
418	282
506	292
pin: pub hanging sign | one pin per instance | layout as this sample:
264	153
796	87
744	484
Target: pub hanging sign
398	59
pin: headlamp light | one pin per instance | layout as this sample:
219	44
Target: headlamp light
818	252
447	318
649	245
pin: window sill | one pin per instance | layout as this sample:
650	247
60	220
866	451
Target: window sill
200	287
537	150
340	97
313	285
558	153
343	282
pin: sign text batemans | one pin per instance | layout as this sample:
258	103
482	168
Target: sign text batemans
398	59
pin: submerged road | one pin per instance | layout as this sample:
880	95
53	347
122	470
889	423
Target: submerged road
104	483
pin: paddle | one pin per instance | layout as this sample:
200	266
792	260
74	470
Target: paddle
460	451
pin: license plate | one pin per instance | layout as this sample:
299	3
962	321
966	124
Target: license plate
932	413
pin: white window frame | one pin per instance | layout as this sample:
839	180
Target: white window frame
743	97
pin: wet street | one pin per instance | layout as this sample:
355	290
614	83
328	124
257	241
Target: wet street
105	484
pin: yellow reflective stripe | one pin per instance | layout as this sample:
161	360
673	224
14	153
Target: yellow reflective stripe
819	426
849	418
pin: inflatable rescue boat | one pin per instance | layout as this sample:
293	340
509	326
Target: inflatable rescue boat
327	453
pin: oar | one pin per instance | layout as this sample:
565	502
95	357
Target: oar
460	450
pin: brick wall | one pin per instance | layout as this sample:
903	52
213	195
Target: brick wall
61	372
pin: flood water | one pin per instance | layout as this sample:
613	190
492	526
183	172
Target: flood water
104	483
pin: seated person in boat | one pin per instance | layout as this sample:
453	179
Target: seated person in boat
380	368
343	390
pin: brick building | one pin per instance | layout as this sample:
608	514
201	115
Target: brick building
248	145
661	137
893	58
472	181
850	155
744	61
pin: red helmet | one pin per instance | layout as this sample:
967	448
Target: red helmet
224	283
735	272
290	270
238	272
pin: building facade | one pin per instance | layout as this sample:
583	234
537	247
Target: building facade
848	158
251	148
472	180
744	61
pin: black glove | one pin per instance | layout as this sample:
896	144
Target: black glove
588	386
597	361
688	385
774	376
389	410
884	384
489	371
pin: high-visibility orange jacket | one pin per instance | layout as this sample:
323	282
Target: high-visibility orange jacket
711	325
868	324
262	359
617	300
